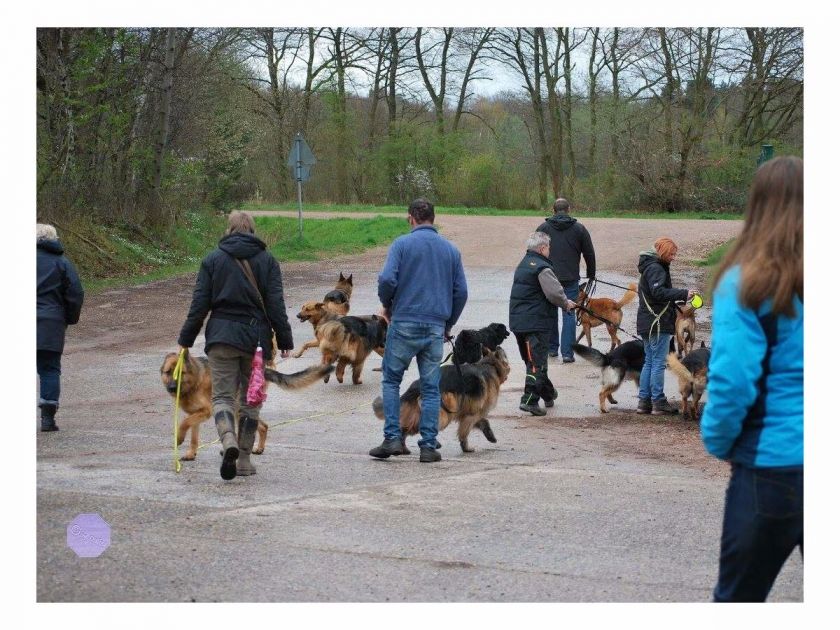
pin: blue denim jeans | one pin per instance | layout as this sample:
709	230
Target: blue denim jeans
48	364
652	380
762	525
565	340
404	341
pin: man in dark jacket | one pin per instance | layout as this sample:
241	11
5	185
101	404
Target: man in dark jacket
241	317
534	297
569	241
60	296
656	323
423	291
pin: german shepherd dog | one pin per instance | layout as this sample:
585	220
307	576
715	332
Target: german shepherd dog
692	372
627	360
685	329
338	300
466	398
604	308
349	340
469	343
197	394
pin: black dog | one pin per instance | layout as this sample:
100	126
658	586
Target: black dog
627	359
468	343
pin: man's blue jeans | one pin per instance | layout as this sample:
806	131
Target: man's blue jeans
652	380
404	341
564	342
48	364
762	525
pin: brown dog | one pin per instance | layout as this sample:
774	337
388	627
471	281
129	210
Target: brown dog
347	340
466	398
692	373
685	329
338	300
604	308
197	394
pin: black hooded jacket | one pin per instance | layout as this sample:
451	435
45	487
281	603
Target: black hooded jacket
656	294
569	241
60	295
223	290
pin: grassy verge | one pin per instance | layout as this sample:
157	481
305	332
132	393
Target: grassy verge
714	257
117	258
352	208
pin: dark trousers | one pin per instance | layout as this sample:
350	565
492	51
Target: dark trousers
564	341
533	348
762	524
48	364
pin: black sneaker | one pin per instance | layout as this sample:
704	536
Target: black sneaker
550	403
387	448
661	407
645	406
429	455
553	354
534	409
568	359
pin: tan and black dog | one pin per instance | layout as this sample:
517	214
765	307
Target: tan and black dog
625	361
605	308
466	398
197	394
685	328
347	340
692	372
338	300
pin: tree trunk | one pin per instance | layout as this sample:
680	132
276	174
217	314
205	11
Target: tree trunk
163	123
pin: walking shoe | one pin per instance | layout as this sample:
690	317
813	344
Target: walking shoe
645	406
568	359
48	417
662	407
550	403
247	433
553	354
230	448
387	448
429	455
534	409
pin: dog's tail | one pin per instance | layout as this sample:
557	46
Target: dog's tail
591	354
629	296
409	409
679	369
298	380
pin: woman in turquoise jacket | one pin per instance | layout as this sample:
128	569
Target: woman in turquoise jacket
754	416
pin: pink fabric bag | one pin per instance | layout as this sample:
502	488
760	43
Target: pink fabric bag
257	384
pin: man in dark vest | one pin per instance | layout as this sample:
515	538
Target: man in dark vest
569	241
534	298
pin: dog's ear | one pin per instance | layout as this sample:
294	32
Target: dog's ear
350	279
702	344
340	277
485	351
319	306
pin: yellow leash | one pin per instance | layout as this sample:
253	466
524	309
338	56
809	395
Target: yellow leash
176	374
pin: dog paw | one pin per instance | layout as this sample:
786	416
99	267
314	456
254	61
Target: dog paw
467	448
257	451
187	457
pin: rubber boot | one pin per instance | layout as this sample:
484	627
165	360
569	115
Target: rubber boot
48	417
247	433
230	450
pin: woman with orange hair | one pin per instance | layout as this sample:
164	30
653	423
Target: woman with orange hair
656	322
754	417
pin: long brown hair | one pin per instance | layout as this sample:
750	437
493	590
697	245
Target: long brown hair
770	246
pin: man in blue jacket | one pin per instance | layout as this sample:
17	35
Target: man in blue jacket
423	290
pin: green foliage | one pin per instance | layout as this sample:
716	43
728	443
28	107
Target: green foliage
226	160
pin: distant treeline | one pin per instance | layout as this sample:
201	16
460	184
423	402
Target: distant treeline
140	125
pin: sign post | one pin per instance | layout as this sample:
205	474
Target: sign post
300	161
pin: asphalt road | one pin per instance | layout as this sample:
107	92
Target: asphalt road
572	507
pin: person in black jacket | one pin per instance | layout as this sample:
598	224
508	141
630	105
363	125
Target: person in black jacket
656	322
60	297
569	241
240	319
534	297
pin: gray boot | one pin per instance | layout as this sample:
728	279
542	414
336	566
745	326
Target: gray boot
48	417
230	451
247	433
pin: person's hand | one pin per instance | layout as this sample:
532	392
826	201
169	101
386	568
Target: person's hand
183	349
284	354
572	306
692	293
385	314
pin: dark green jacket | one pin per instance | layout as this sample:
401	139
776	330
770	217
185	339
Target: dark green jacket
530	310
